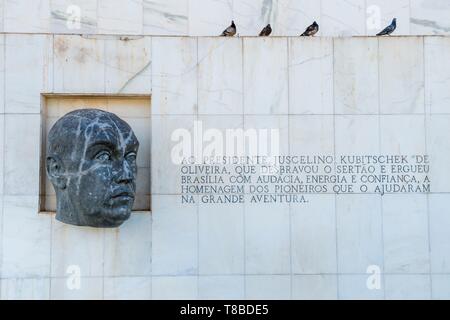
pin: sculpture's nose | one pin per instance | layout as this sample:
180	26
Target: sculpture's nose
125	173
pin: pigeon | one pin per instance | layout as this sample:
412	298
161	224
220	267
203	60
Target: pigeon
230	31
311	30
266	31
389	29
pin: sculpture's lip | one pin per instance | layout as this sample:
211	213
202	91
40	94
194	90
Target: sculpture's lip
123	195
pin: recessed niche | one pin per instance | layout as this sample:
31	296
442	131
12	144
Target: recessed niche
135	110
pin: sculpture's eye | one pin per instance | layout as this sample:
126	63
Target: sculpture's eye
103	156
131	156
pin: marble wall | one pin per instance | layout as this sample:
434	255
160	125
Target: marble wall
383	95
210	17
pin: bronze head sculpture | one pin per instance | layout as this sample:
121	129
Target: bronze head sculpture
91	162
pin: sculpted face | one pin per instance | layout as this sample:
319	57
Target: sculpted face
91	161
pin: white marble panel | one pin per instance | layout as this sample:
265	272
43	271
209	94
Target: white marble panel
314	235
28	71
221	239
26	239
175	288
120	17
251	16
267	242
439	237
79	64
73	16
440	284
2	153
405	232
128	66
401	63
76	247
1	231
287	18
265	76
58	106
174	75
2	7
343	18
356	76
25	289
381	12
221	137
314	287
354	287
438	148
90	289
209	17
175	252
280	125
21	157
221	287
166	17
135	109
272	287
2	72
310	76
142	202
292	17
311	135
408	287
127	288
359	232
430	17
220	82
402	135
166	174
24	16
437	80
127	250
357	134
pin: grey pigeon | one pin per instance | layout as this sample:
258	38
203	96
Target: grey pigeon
389	29
311	30
230	31
266	31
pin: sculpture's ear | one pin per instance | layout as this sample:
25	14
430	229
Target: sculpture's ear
55	172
